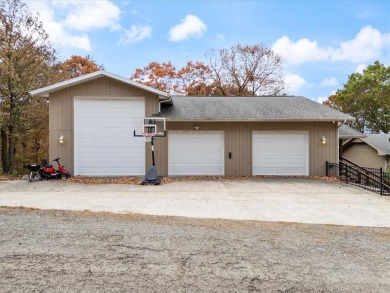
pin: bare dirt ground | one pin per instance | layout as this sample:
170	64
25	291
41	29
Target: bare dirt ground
57	251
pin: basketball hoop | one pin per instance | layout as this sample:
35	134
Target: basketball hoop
148	136
149	128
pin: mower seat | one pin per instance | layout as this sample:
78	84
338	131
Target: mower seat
44	163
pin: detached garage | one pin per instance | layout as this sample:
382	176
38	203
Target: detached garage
226	136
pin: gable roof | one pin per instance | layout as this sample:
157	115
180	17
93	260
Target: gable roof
45	91
380	142
264	108
346	132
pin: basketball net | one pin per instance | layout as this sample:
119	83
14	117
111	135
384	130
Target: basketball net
148	136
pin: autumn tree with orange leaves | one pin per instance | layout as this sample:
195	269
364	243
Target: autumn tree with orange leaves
242	70
77	66
193	79
159	76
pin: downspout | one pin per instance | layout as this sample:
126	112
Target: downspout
164	101
339	148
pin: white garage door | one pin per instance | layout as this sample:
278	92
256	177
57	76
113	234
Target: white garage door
104	142
280	153
195	153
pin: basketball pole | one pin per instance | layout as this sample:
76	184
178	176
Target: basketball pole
152	151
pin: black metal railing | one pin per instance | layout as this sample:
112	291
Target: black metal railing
367	178
372	171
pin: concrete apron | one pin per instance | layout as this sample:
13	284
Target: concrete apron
277	200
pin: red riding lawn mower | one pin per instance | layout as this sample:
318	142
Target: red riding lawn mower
47	171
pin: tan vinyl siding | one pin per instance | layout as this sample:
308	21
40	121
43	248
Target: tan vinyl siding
61	111
238	144
364	155
238	140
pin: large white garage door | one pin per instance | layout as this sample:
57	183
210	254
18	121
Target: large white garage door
195	153
280	153
104	142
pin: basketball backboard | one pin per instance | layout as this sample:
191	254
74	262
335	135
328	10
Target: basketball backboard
150	126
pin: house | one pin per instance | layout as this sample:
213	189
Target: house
370	151
93	117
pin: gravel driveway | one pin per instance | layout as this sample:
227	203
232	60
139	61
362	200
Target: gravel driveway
59	251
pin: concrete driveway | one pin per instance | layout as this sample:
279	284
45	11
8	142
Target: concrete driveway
284	200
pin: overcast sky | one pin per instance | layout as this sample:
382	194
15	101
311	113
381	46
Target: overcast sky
322	42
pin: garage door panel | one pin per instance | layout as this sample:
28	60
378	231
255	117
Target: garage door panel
280	153
201	169
211	159
195	153
104	142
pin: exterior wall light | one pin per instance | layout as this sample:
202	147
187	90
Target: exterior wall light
196	127
61	139
323	140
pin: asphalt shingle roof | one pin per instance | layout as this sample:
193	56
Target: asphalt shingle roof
380	142
346	132
266	108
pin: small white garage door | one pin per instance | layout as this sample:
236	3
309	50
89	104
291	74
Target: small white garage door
276	153
104	141
195	153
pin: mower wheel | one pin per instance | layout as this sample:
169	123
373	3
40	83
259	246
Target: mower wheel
37	177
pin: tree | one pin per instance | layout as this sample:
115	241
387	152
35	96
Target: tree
32	133
246	70
26	57
193	79
77	66
159	76
331	102
242	70
366	96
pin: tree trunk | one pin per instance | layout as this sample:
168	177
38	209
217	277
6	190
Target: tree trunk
4	150
11	149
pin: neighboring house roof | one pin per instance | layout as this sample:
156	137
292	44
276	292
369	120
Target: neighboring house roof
380	142
346	132
264	108
45	91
